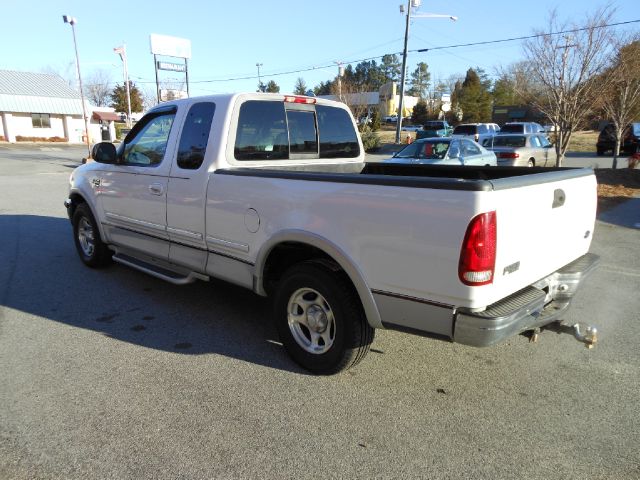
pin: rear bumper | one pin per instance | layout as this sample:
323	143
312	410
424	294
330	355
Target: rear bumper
532	307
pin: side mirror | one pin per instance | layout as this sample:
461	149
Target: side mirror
104	152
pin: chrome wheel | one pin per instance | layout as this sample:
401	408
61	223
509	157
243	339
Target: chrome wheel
85	237
311	321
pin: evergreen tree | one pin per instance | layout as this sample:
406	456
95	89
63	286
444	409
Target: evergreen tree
390	68
272	87
119	98
504	92
420	81
420	113
301	87
474	97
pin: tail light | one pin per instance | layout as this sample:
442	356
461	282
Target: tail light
478	254
508	155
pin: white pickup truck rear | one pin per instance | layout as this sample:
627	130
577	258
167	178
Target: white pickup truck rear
270	192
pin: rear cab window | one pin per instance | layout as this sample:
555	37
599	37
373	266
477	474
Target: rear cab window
270	130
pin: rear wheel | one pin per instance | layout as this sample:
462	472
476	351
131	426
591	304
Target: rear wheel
92	250
531	163
320	320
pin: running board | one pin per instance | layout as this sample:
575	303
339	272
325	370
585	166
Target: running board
171	276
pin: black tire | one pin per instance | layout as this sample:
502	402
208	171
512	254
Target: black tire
92	250
531	163
348	334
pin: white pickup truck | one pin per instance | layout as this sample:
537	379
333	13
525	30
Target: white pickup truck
270	192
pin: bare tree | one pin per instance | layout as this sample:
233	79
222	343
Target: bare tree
97	88
65	71
565	67
621	102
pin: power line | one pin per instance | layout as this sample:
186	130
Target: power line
421	50
487	42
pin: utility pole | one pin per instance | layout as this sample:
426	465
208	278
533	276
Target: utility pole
340	74
402	76
259	81
560	130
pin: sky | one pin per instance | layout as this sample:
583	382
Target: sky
304	38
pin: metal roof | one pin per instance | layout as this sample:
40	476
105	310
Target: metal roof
26	92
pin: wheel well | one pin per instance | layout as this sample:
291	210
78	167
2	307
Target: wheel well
76	199
533	160
287	254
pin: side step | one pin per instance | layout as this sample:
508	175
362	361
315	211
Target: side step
172	276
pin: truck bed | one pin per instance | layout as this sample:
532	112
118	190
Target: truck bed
417	176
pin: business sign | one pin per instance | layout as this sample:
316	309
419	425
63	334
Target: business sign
170	46
174	67
166	95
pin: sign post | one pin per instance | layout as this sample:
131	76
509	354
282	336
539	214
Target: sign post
170	47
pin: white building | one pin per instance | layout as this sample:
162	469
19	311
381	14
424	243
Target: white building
37	106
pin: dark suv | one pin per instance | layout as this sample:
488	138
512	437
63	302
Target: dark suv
630	139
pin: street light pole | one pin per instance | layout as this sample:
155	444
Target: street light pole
404	56
259	81
122	51
72	21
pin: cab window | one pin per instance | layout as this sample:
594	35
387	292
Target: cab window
262	132
195	135
147	142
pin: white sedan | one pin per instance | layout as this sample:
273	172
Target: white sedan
445	151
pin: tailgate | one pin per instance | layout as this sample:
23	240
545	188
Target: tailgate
542	226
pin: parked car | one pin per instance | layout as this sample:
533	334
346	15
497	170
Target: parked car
390	119
526	150
521	127
435	128
411	128
476	131
630	139
445	151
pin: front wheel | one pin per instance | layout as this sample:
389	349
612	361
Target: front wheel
92	250
320	320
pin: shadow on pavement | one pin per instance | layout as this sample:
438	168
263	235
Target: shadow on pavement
40	274
625	214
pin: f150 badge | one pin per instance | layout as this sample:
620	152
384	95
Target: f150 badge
514	267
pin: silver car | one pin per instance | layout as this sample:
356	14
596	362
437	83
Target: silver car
522	150
445	151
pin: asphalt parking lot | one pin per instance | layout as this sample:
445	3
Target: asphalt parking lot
115	374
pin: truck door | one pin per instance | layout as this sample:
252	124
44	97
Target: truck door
133	191
187	189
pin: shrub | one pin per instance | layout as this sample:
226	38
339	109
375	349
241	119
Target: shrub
375	120
20	138
370	139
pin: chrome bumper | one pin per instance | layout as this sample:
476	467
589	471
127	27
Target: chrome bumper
533	307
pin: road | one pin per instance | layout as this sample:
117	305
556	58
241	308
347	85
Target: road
115	374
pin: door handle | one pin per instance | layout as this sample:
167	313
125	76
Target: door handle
156	189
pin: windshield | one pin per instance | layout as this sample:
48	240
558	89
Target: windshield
509	141
465	130
433	149
636	129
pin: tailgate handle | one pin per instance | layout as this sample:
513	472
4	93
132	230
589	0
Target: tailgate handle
558	198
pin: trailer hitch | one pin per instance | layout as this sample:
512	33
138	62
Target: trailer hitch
587	334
